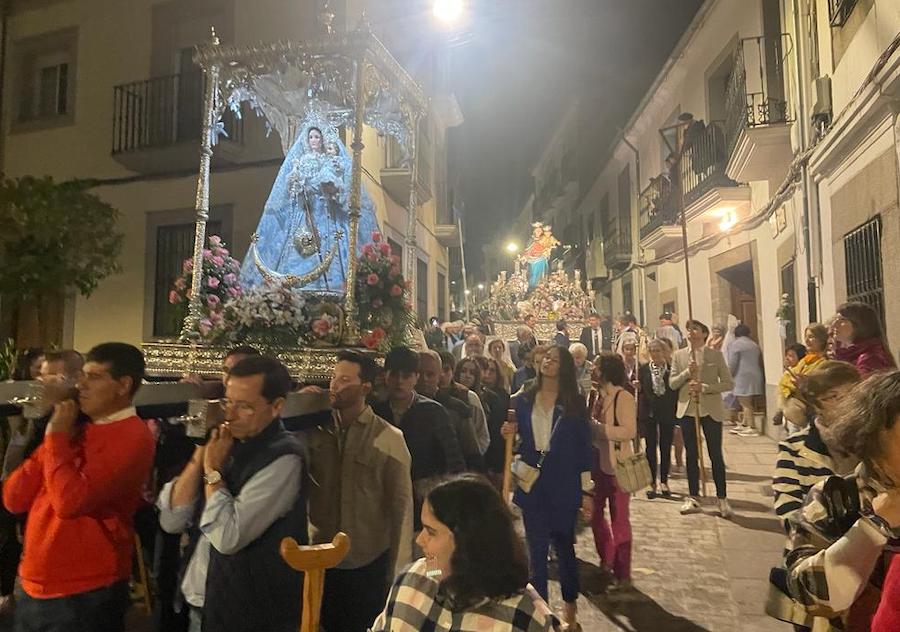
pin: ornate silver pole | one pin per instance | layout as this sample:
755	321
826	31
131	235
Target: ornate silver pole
412	211
191	328
351	328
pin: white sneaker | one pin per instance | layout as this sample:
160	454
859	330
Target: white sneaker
748	432
737	429
690	506
725	509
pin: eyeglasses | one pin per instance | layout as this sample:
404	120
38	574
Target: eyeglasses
241	409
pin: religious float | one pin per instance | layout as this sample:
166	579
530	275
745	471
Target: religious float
535	289
318	276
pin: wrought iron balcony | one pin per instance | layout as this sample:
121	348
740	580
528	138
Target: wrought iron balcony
617	246
702	165
839	11
159	114
658	212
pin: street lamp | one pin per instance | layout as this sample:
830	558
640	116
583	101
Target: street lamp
448	12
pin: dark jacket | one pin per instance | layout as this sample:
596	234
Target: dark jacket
254	589
460	415
558	489
496	415
660	408
587	339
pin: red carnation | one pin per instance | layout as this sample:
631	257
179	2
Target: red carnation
376	236
396	290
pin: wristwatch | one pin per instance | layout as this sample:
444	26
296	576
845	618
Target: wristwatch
212	478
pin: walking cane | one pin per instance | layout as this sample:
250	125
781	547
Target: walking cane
508	457
697	428
313	560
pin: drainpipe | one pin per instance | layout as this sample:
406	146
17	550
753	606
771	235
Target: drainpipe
812	272
637	189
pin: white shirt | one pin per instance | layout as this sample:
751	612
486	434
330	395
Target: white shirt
541	427
125	413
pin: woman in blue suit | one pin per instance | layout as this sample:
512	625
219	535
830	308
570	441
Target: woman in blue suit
552	423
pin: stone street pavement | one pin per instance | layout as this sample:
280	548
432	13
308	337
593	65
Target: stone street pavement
696	572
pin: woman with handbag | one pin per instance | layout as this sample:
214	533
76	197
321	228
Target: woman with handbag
614	427
553	472
658	403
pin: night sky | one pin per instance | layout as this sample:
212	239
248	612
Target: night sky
522	64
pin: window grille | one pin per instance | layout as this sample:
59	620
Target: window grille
839	11
862	263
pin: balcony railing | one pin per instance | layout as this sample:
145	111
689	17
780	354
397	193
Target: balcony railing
703	162
839	11
658	205
163	111
617	245
756	93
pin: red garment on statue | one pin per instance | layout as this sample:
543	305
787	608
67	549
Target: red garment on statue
80	496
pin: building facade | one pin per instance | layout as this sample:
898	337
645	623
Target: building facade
108	91
774	125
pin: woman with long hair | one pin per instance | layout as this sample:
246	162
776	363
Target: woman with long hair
656	407
475	570
551	420
812	454
858	338
614	426
498	350
495	396
468	373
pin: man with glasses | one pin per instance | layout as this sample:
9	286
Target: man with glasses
248	479
80	489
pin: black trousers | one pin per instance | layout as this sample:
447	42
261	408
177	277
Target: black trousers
712	431
658	433
353	598
100	610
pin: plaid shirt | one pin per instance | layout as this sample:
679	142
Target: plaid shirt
829	574
414	605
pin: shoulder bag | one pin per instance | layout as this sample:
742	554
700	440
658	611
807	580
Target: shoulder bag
632	470
526	475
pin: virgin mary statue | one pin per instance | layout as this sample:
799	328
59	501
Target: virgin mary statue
302	237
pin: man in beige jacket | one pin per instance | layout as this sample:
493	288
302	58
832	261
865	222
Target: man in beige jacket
701	375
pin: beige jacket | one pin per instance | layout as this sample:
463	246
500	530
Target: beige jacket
714	375
609	428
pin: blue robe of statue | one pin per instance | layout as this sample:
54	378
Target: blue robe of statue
308	203
537	269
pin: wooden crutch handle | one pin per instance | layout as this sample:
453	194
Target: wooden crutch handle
313	560
509	440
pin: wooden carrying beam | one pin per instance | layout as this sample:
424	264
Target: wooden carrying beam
313	560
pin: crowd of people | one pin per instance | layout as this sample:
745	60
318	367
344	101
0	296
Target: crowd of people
408	459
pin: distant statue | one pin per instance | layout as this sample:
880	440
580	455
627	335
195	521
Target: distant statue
537	253
303	234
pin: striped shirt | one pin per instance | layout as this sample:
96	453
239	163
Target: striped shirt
415	604
803	461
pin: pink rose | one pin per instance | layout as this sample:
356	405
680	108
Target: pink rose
377	303
174	298
180	284
234	292
205	326
221	252
321	327
385	249
396	290
371	256
395	271
212	300
372	279
215	240
207	254
212	282
368	249
376	236
188	265
218	261
230	278
395	260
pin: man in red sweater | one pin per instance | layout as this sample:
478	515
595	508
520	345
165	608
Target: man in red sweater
80	489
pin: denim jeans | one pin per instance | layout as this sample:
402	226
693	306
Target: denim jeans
100	610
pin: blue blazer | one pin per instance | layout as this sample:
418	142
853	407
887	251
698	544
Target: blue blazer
558	488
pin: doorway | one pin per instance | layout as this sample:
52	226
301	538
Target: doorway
742	294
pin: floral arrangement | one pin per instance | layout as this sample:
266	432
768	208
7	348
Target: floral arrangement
384	309
270	314
220	284
555	297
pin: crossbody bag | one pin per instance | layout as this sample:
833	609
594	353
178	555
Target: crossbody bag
526	475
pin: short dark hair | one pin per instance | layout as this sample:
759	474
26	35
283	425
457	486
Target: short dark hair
276	379
741	331
610	368
798	349
698	325
629	318
242	350
665	316
402	359
447	359
124	360
560	325
72	360
489	560
368	370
